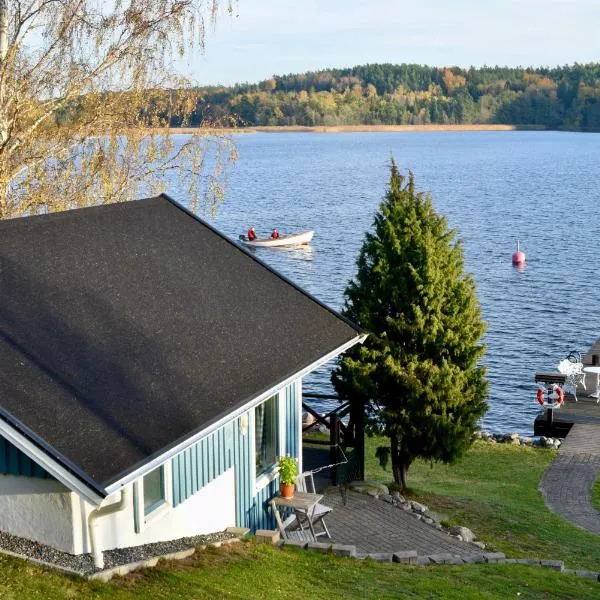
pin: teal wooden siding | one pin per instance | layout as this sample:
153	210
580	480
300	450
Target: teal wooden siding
206	460
292	417
14	462
201	463
260	516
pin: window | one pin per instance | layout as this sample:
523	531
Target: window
265	434
152	496
154	490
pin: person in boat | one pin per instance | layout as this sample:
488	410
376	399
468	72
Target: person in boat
275	234
251	234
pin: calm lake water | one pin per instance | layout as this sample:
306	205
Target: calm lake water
495	187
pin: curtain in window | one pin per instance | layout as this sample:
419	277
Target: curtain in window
265	432
260	414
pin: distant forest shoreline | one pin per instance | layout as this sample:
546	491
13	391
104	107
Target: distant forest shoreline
564	98
359	128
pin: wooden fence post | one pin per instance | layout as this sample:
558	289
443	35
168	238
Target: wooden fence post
359	442
334	440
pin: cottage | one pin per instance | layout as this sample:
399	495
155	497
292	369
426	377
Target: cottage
150	373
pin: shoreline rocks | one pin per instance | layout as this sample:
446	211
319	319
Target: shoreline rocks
518	440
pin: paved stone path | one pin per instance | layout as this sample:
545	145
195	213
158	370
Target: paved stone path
567	484
373	525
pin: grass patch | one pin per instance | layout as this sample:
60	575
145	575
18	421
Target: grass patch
493	490
596	494
314	438
252	571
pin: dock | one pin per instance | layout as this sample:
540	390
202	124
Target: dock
568	483
585	412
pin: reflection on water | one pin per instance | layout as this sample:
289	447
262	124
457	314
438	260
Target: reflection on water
292	252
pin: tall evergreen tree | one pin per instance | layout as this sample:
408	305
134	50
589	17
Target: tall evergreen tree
418	374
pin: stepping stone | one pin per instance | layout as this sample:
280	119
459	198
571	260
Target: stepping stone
494	557
556	565
444	559
407	557
343	550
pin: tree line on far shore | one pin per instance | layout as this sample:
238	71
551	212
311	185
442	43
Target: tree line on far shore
384	94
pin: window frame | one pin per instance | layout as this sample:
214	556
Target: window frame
272	472
158	509
163	498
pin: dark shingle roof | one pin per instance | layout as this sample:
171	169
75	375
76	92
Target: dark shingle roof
127	328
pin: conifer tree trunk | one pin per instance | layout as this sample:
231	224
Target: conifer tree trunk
399	466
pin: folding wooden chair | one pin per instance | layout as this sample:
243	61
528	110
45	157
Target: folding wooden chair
284	525
306	483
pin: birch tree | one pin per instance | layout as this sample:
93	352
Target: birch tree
85	86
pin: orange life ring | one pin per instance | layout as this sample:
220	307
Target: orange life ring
560	394
540	396
560	397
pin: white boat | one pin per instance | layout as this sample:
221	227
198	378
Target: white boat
292	239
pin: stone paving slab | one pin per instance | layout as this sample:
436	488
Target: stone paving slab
582	440
375	526
567	484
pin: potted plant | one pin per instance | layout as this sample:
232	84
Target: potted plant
288	472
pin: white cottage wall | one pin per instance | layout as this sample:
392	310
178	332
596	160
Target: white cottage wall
37	509
209	510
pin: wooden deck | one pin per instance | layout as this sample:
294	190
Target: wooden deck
586	411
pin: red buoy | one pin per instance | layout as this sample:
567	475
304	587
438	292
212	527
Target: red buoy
518	257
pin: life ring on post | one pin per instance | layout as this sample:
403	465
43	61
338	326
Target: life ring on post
558	393
540	396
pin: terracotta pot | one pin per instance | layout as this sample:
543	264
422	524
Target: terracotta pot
286	490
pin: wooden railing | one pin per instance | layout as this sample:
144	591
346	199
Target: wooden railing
344	435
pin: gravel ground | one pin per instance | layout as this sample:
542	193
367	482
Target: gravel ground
84	563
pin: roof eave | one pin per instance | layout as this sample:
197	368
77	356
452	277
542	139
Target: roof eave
49	464
142	470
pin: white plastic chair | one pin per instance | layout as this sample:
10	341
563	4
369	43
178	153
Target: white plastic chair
573	369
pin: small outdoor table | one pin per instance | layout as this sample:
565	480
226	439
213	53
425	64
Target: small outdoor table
597	371
302	504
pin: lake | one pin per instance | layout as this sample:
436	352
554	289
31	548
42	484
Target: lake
495	187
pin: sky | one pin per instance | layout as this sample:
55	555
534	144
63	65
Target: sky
275	37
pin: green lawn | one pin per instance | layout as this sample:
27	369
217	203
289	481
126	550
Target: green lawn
249	571
493	490
596	494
